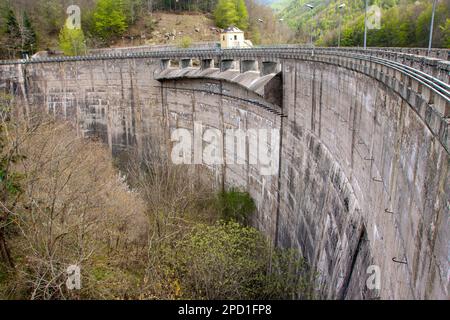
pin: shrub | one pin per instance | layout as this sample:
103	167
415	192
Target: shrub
185	42
231	261
109	19
72	42
235	205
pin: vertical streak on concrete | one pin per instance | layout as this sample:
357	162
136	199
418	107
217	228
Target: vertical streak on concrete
86	94
348	277
224	165
313	99
295	95
108	112
354	108
64	89
165	115
77	101
277	218
133	138
45	92
247	155
23	87
320	103
197	167
91	76
372	155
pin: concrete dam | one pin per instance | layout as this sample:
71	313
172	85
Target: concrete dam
362	180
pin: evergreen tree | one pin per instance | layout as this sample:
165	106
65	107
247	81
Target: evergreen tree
12	33
29	38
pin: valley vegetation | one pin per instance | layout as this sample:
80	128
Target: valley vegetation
139	228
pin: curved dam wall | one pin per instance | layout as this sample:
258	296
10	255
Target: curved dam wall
363	171
364	182
204	102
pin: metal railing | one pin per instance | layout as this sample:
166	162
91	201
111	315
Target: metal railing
171	52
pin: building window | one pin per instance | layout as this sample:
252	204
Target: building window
235	37
223	38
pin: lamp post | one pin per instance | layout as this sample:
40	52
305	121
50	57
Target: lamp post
340	8
365	26
431	26
310	6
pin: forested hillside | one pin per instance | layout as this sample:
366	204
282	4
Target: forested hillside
27	26
31	25
404	23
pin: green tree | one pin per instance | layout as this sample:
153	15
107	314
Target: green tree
71	41
12	33
446	32
242	15
225	13
231	13
51	15
109	19
29	38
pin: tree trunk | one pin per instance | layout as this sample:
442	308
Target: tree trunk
4	250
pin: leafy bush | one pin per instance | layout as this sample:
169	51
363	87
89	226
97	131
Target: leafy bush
109	19
235	205
185	42
230	261
72	42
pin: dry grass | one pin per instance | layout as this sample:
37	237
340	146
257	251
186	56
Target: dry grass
181	25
